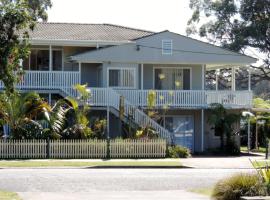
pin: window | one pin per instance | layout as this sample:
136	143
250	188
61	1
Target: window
167	47
168	78
57	60
183	129
122	78
39	59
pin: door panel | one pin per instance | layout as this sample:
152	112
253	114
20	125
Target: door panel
183	129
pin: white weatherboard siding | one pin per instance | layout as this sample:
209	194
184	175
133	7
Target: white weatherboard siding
107	65
149	50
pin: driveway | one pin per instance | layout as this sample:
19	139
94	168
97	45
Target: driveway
74	184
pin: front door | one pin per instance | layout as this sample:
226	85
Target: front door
183	129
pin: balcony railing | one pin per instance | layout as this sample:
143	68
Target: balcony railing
190	98
48	80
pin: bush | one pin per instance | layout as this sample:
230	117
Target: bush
232	148
239	185
178	152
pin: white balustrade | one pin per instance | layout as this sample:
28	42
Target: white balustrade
233	99
48	80
189	98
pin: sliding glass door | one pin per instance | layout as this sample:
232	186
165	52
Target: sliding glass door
171	78
183	129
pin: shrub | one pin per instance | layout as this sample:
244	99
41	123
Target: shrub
178	152
232	148
238	185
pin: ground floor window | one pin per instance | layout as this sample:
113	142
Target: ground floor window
183	129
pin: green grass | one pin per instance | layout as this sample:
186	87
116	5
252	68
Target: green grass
109	163
9	196
203	191
258	164
260	150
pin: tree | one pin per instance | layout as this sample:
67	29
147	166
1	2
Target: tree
223	125
235	24
17	18
20	112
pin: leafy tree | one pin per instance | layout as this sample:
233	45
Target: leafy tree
235	24
17	18
20	112
222	124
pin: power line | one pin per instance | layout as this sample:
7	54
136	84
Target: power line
189	51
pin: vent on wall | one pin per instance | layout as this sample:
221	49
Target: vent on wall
167	47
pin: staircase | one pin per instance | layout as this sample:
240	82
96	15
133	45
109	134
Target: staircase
111	98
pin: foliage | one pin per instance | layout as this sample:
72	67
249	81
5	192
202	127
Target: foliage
151	99
264	173
18	17
146	132
57	120
260	103
79	127
223	124
20	111
237	25
98	127
232	148
178	152
234	187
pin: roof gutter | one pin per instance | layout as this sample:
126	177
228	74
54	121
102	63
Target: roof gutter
82	43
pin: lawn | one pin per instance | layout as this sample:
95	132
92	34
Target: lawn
260	150
9	196
107	163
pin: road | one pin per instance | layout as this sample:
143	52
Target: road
71	184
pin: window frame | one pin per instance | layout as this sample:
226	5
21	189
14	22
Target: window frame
175	67
121	71
46	48
166	51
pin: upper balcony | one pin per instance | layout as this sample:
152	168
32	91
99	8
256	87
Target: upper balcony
168	99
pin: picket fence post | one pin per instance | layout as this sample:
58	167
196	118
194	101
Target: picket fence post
48	148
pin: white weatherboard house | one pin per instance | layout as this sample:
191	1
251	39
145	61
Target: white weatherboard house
119	61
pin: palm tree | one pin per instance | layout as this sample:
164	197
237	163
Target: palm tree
20	111
222	122
68	117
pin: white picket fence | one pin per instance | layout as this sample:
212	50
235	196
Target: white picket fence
15	149
79	149
132	148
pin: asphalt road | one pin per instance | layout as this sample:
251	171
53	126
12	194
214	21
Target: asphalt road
71	184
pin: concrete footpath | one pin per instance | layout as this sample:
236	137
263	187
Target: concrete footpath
242	162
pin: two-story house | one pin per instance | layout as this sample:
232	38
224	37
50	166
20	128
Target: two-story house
119	61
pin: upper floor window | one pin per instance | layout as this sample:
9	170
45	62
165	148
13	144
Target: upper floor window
167	47
39	59
121	77
172	78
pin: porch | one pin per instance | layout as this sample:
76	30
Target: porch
190	99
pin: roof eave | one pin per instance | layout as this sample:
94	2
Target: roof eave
83	43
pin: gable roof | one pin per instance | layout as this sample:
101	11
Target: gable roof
85	32
147	49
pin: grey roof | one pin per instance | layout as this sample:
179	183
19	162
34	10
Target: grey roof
88	32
